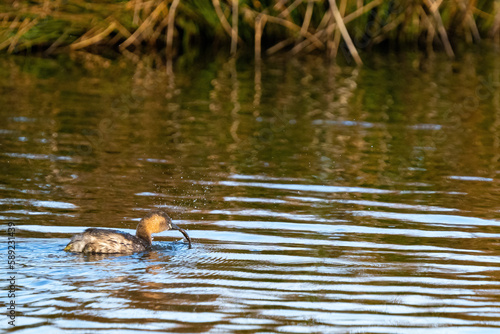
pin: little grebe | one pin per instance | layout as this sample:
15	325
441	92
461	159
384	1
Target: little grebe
98	240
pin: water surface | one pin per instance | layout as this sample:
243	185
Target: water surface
319	198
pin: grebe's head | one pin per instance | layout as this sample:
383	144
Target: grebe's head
158	221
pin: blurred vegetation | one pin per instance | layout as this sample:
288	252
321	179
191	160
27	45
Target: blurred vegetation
172	27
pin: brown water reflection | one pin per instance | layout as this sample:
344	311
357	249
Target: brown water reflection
319	198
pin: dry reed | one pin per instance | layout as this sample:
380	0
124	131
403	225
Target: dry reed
297	26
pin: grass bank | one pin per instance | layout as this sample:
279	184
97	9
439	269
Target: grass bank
173	27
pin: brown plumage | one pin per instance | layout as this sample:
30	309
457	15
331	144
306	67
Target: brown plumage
99	240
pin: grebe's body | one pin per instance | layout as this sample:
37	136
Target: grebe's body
99	240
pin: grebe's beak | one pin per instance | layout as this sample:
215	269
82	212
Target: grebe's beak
175	227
